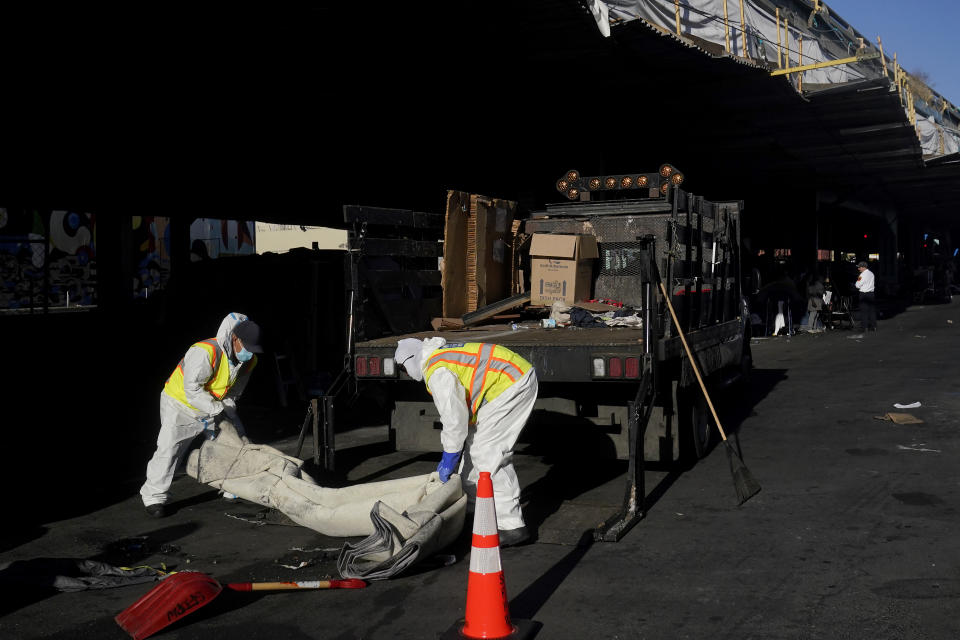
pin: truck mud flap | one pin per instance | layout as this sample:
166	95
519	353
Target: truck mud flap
632	511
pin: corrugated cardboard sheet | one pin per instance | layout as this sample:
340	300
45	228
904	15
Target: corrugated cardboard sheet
477	265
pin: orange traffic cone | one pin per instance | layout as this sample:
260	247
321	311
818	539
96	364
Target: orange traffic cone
488	614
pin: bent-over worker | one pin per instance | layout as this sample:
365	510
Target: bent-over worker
484	394
207	382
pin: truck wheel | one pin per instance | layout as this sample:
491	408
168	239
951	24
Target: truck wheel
693	423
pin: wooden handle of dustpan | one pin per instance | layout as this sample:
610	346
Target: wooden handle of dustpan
303	584
693	363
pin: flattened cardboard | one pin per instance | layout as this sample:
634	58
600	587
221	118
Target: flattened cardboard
454	275
900	418
561	268
477	264
440	324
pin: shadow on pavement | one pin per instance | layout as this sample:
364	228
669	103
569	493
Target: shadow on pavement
579	458
735	405
28	581
528	602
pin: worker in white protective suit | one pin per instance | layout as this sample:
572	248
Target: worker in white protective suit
206	384
484	394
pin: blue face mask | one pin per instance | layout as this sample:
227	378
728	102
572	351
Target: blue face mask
243	355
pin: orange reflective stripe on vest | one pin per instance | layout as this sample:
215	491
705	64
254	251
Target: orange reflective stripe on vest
219	382
484	370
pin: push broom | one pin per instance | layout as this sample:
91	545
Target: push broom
743	481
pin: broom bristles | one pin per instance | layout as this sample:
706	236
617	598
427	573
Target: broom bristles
744	483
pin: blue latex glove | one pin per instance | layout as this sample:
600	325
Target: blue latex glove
209	428
448	464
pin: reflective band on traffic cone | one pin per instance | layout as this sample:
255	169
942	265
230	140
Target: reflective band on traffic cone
488	615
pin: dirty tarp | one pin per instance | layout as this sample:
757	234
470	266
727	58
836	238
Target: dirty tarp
71	574
405	519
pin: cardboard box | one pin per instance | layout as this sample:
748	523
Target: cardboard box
561	268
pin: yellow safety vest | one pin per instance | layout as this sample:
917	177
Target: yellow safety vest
484	370
219	383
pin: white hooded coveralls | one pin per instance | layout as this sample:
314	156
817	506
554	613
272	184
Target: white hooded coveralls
179	424
488	445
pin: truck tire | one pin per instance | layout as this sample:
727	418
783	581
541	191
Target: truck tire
693	424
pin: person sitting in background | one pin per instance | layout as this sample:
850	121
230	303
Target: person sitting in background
815	291
782	290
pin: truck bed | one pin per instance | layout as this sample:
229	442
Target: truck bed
527	337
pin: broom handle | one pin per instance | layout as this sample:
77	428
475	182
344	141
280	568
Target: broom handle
281	586
693	363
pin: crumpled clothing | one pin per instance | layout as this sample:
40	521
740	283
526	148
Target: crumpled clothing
584	319
624	321
560	312
625	317
73	574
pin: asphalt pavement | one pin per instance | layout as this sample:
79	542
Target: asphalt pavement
852	536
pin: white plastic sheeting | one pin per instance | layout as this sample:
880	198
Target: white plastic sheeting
408	517
758	38
934	139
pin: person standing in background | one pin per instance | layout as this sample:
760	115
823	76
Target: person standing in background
868	307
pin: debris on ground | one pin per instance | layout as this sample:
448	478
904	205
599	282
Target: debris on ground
912	405
920	448
899	418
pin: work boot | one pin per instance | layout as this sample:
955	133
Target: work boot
157	510
513	537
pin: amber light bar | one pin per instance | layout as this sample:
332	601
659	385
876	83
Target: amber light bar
572	184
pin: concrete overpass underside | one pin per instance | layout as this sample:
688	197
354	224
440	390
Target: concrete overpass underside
317	107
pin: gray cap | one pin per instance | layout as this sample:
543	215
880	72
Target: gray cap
862	264
249	333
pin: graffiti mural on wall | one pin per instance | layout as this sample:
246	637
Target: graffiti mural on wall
47	259
151	260
72	259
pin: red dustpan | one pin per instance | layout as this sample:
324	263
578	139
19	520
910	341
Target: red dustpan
185	592
179	594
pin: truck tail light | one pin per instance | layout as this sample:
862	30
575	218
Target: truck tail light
632	367
389	367
599	368
369	366
615	368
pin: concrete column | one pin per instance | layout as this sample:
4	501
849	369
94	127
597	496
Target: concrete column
889	265
179	255
114	260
